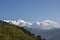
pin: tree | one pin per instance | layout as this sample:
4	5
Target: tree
39	37
44	39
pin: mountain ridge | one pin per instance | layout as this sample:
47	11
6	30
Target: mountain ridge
12	32
45	25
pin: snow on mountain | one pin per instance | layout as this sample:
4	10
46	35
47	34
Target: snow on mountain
46	25
20	22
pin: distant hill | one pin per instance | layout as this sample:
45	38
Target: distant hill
53	34
13	32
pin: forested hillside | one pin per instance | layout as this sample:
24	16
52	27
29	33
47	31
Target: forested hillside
13	32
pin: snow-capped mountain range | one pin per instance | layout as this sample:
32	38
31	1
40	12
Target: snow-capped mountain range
48	29
19	22
45	25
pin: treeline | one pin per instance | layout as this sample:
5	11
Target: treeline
29	33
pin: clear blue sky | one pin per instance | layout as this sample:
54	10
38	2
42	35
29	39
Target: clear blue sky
30	10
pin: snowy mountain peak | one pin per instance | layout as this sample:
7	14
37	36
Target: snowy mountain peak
46	22
45	25
38	23
19	22
49	22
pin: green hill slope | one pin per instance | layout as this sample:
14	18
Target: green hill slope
12	32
